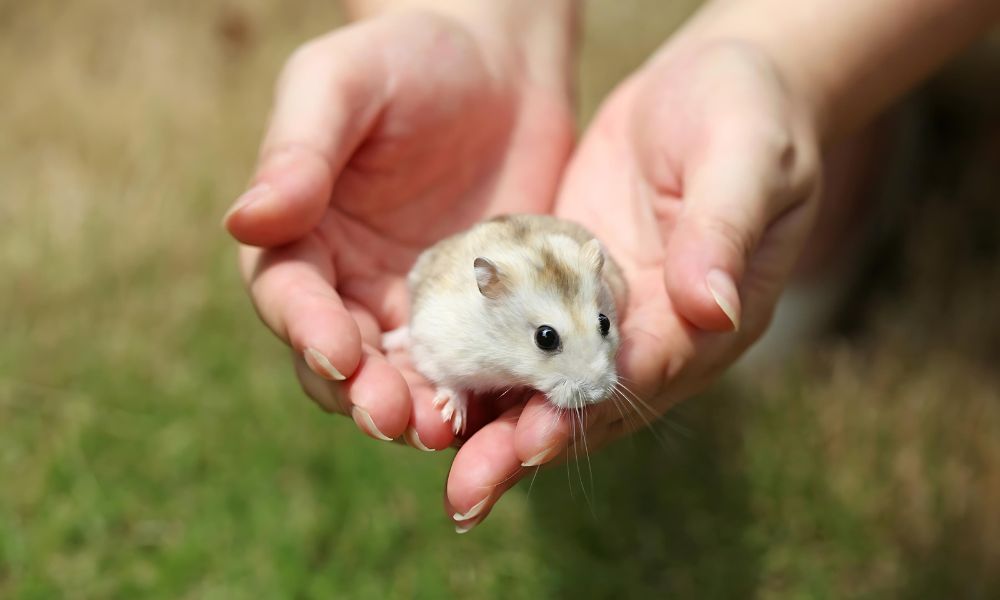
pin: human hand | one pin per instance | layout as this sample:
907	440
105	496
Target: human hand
385	137
700	175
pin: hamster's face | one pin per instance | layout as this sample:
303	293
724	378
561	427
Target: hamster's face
573	352
553	321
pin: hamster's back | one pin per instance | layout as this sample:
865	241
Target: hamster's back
446	267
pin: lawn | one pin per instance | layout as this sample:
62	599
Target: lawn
154	442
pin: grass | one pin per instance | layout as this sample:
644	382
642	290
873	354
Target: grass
155	444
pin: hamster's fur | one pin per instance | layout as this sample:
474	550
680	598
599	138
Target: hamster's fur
479	297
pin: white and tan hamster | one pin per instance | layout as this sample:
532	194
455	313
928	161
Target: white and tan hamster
519	300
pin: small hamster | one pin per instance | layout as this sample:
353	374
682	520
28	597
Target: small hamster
516	301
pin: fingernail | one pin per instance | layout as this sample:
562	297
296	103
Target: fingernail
321	365
541	457
724	291
366	424
461	528
411	437
472	512
249	197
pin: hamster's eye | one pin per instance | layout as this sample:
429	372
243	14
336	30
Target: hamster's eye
605	324
547	338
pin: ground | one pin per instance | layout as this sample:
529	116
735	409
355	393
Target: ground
154	442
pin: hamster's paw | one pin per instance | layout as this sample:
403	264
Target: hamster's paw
454	407
397	339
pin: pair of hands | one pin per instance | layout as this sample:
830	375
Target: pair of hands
698	174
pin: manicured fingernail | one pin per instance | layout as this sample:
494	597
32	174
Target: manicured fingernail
724	291
411	437
249	197
461	528
541	457
473	512
321	366
366	424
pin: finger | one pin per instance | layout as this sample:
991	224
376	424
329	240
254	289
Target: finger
329	395
328	97
427	430
292	290
484	468
729	200
542	432
376	396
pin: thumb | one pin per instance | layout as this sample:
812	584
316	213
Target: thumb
728	203
324	106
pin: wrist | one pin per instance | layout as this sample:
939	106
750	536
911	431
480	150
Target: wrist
844	62
535	41
738	26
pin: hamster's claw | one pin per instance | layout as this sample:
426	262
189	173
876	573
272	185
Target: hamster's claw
454	407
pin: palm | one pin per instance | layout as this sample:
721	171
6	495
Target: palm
459	146
456	144
604	190
635	180
425	132
628	183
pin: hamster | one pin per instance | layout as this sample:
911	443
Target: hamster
516	301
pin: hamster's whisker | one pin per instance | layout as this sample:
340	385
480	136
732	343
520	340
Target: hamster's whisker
670	420
678	409
586	452
531	484
638	411
657	416
631	403
555	413
617	404
618	398
569	478
622	380
630	421
502	481
577	418
652	411
505	392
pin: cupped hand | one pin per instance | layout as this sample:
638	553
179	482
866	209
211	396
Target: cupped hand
700	175
385	137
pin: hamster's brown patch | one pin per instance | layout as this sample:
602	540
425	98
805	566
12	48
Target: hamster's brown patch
556	273
519	229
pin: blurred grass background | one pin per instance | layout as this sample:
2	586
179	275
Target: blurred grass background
153	442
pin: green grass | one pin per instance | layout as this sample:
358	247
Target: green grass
154	442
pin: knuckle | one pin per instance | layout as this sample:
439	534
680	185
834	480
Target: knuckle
309	59
777	142
739	241
806	176
797	170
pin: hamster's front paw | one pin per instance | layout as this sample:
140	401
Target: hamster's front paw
454	407
397	339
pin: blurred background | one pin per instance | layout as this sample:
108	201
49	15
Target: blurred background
154	443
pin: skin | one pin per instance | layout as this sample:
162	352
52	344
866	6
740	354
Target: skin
712	152
358	153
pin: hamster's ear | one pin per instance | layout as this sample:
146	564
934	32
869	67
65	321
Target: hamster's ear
488	278
593	254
